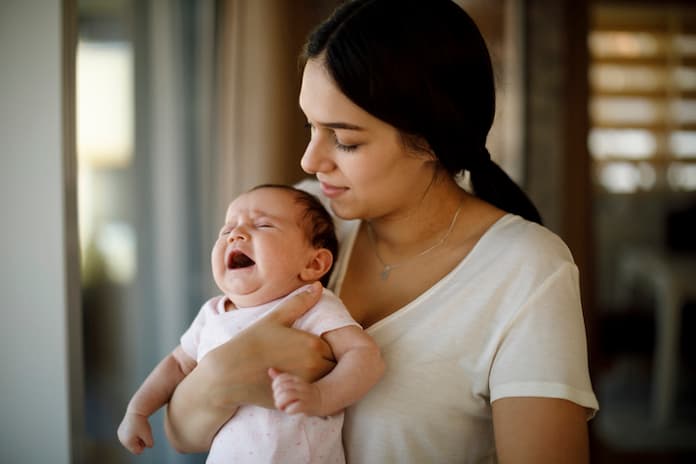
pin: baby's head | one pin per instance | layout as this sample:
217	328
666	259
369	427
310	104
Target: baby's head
275	239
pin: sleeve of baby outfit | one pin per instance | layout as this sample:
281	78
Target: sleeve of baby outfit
328	314
543	350
190	340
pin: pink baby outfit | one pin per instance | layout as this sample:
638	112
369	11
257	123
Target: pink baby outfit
256	435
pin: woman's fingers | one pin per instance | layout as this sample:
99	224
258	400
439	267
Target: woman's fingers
237	371
294	307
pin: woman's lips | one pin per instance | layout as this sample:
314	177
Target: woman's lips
331	191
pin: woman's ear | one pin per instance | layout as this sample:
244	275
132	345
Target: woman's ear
319	264
419	147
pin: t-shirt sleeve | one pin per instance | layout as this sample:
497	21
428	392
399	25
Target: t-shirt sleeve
327	315
549	330
190	340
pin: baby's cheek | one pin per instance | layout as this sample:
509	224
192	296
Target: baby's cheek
288	260
217	263
215	252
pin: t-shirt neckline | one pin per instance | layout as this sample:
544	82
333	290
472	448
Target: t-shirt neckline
499	223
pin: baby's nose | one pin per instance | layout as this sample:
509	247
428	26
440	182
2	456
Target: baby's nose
238	233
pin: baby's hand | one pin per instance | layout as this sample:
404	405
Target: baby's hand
135	433
294	395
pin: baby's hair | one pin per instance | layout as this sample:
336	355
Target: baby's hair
316	221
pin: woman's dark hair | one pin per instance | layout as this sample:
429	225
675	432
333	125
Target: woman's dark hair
423	67
316	221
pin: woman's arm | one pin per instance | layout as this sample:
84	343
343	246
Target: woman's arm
540	431
235	373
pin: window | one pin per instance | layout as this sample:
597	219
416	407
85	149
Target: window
642	143
643	98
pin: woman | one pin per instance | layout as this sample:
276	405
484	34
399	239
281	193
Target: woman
474	305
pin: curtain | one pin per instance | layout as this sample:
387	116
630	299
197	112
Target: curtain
260	127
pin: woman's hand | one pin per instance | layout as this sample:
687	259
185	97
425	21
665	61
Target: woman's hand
235	373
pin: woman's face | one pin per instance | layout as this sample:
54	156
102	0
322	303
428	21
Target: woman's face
361	162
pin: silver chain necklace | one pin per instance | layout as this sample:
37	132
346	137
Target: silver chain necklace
387	268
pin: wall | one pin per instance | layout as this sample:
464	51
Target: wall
35	336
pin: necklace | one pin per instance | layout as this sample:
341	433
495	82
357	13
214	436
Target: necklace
387	268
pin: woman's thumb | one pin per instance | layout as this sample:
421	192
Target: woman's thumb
294	307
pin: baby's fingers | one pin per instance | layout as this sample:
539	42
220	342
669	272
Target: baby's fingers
147	439
284	382
290	393
137	444
279	378
283	397
296	407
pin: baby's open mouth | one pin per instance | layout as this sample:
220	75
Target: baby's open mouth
237	260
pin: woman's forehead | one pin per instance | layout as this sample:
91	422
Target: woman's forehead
320	97
325	105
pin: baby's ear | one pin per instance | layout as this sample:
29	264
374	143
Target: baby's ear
319	264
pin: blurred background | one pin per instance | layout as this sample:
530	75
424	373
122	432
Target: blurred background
129	124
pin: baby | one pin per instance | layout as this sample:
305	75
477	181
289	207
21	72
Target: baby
276	241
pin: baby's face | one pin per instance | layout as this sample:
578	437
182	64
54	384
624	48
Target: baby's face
262	249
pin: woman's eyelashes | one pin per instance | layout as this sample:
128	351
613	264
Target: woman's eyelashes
345	147
337	143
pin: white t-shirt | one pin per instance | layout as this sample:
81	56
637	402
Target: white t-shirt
506	322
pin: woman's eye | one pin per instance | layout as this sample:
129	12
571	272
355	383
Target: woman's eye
344	147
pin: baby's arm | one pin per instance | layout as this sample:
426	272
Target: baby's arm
134	432
359	367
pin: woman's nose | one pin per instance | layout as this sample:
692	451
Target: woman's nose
315	159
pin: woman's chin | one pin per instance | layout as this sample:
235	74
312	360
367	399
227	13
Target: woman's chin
343	212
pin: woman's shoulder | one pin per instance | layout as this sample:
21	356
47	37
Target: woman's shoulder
519	239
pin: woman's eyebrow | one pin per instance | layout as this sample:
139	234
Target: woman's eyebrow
340	125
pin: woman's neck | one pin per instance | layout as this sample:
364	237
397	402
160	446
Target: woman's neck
421	223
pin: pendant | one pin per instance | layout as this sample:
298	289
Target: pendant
385	272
